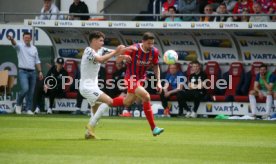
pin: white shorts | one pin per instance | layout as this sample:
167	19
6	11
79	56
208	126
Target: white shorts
91	95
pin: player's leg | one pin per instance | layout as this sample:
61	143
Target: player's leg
269	102
145	97
252	101
274	96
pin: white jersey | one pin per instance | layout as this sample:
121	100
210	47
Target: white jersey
90	68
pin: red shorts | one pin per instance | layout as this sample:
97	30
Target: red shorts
132	84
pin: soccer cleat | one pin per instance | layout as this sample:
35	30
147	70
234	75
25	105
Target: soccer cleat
167	112
29	112
188	115
49	111
90	133
157	131
18	109
37	110
193	115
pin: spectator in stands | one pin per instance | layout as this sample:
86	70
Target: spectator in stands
230	4
264	86
53	86
188	7
27	61
172	18
223	10
49	8
79	7
195	92
166	5
268	6
171	87
208	10
258	10
242	7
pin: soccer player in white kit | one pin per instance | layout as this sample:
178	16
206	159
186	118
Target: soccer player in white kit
90	66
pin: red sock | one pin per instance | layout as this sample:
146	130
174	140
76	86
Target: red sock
149	115
118	101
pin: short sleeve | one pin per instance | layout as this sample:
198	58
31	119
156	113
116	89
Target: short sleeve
90	54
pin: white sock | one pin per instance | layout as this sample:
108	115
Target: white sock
252	101
268	104
101	109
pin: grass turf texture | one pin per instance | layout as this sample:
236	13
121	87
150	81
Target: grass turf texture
60	139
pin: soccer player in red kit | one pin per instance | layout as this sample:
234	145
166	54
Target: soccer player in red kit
138	61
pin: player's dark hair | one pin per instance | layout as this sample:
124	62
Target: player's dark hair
96	35
148	36
195	62
27	33
263	65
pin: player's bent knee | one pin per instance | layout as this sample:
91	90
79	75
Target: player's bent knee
146	98
252	92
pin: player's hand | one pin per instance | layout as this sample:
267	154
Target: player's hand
45	88
261	96
159	87
167	94
40	76
127	59
9	37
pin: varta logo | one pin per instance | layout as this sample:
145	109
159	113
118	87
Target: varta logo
247	55
119	24
66	104
182	42
223	56
66	23
202	25
207	55
146	24
261	25
4	106
231	25
264	56
225	108
72	41
260	43
174	25
209	107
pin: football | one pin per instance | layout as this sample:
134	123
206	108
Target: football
170	57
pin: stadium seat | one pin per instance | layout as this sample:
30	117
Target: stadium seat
71	67
249	83
110	68
213	69
237	72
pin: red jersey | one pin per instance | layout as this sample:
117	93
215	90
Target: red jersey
141	61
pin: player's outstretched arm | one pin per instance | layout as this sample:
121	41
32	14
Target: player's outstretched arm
121	49
10	38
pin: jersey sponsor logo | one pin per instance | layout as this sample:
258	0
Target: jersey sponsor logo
143	63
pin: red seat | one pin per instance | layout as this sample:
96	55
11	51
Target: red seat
212	69
236	72
253	73
110	68
71	66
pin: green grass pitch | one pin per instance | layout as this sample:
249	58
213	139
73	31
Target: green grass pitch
60	139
